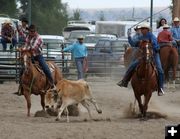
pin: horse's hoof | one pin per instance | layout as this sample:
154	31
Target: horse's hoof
57	119
143	119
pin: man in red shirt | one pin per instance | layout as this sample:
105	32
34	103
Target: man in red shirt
165	37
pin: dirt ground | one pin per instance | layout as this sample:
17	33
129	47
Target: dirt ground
114	123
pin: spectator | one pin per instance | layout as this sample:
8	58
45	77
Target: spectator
8	35
160	25
165	37
23	30
79	52
175	30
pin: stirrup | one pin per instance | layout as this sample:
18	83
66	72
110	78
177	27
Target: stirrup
122	83
160	92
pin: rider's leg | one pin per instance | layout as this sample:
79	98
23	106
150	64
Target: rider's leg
4	43
160	74
128	74
46	70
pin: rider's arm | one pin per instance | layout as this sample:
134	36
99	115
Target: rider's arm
69	48
155	44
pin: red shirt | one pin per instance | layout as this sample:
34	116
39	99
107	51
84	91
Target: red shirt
164	36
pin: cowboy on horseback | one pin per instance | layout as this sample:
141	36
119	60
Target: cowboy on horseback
34	43
165	37
146	35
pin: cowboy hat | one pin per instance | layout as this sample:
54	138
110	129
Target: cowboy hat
176	19
137	27
7	22
145	25
166	26
80	37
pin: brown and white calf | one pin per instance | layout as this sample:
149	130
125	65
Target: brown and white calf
69	93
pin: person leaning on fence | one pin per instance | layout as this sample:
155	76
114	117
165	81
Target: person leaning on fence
165	37
34	43
8	35
23	30
79	52
146	35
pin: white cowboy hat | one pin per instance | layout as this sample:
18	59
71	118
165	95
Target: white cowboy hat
166	26
176	19
137	27
7	22
145	25
80	37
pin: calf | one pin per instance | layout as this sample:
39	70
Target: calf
69	93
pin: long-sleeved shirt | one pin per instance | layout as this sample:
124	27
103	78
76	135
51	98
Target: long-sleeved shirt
34	43
133	41
7	31
164	36
23	32
152	38
175	30
78	50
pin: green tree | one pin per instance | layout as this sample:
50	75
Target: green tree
50	16
8	7
76	15
101	17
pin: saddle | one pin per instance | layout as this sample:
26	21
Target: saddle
39	68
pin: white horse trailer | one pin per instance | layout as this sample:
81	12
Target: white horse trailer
118	28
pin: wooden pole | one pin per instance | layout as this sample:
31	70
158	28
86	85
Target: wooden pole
176	8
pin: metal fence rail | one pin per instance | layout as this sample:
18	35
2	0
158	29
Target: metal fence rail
10	66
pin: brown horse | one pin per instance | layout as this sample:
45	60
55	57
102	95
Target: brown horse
169	60
144	80
34	81
129	55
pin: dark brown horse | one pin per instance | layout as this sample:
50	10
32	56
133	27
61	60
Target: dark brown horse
144	80
169	60
34	80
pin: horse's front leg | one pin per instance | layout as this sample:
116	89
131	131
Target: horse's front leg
27	96
138	97
43	101
145	106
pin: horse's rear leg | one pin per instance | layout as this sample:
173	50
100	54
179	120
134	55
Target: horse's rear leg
174	77
28	100
43	101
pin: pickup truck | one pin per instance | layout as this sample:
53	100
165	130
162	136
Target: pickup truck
107	54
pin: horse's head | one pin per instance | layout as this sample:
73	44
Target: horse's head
147	52
25	56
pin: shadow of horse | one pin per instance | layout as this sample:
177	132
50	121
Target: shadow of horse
34	81
169	60
144	80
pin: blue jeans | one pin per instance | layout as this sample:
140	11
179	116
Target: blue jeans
134	64
4	42
44	67
79	64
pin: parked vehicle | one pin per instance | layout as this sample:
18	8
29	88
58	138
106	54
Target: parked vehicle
77	25
75	34
118	28
91	40
107	54
52	51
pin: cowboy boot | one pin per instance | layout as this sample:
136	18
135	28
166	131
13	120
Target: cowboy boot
160	88
126	79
